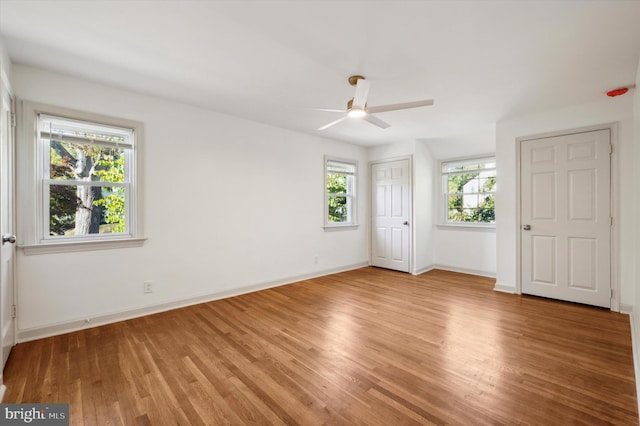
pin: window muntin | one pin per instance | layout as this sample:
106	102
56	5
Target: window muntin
85	178
340	184
468	188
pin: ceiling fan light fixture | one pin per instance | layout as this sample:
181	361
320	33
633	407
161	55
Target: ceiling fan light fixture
356	113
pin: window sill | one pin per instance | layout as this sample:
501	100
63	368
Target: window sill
468	227
76	246
340	227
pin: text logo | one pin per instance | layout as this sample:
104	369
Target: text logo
34	414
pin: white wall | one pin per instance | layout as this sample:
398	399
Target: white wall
230	205
421	259
458	249
635	310
636	210
463	249
424	169
5	63
608	110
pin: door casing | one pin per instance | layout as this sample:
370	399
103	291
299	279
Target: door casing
615	197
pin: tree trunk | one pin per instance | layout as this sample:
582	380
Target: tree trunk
88	216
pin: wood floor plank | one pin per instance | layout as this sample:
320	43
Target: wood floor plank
370	347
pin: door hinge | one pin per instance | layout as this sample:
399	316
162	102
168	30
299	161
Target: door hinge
13	119
14	311
611	294
610	220
610	148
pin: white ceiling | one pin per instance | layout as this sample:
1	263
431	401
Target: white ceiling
269	61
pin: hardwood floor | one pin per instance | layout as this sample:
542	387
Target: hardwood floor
369	346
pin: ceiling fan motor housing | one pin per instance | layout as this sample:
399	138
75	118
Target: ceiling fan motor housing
353	80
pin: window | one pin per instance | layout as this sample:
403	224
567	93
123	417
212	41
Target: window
340	184
468	188
85	180
86	177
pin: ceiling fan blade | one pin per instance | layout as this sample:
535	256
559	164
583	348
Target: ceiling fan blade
362	91
376	121
395	107
327	110
333	123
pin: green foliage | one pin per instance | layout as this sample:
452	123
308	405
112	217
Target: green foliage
337	199
483	212
111	168
63	201
83	162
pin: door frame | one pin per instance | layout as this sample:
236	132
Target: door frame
5	88
412	229
614	194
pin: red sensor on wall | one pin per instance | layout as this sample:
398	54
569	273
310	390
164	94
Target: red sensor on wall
619	91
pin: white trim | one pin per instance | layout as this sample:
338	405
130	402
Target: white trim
340	227
32	231
626	309
34	333
441	216
331	226
504	288
423	270
3	389
75	246
634	320
467	271
478	227
614	194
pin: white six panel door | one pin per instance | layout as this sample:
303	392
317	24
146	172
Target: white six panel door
566	217
391	206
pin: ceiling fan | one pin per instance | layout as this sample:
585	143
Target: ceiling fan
357	107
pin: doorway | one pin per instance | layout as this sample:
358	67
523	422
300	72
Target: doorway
565	217
391	214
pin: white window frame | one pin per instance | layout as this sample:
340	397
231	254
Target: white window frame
443	192
33	194
351	196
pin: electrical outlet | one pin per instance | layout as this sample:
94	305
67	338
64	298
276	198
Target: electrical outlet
148	287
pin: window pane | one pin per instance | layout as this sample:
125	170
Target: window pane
475	182
70	130
454	205
338	209
74	161
460	182
487	184
338	183
85	209
333	166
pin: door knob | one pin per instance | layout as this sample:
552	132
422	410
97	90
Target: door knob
526	227
8	238
405	222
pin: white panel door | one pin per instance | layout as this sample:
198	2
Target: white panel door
566	217
391	211
6	228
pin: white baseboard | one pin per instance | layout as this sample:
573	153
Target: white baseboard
34	333
464	270
423	270
504	288
3	389
626	309
634	319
